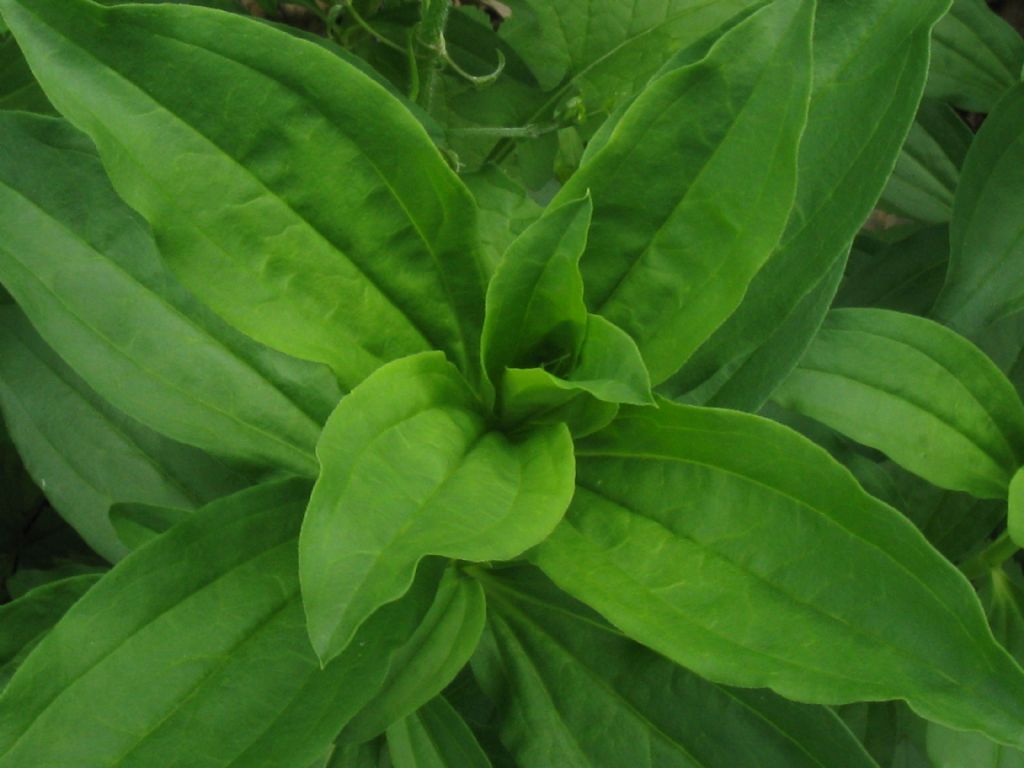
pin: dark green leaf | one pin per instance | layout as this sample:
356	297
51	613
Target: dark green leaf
410	468
574	692
137	524
739	549
434	737
925	396
670	254
870	61
320	219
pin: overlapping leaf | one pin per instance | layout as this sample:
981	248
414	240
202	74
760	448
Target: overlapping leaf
319	219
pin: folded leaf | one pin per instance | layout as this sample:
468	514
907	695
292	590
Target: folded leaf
434	737
203	625
744	552
84	454
410	468
976	57
670	254
918	392
986	266
327	226
25	621
555	670
86	272
535	310
870	62
925	178
440	647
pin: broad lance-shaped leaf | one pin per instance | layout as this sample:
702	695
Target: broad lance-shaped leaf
976	57
319	219
435	736
573	691
203	625
26	620
83	453
870	63
924	181
986	268
410	467
744	552
430	660
671	250
85	270
918	392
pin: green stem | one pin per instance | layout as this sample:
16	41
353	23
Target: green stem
993	556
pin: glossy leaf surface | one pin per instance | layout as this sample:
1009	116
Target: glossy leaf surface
738	549
920	393
573	691
870	62
670	254
410	468
373	261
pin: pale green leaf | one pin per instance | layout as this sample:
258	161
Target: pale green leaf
434	737
410	468
924	181
319	219
870	62
920	393
986	267
555	670
744	552
203	625
1015	521
976	57
86	272
670	255
440	647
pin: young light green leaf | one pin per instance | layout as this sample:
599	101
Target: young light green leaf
555	669
924	181
986	265
319	219
536	315
918	392
976	57
26	620
85	270
435	736
1015	520
670	254
440	647
738	549
870	62
204	625
410	468
84	454
138	524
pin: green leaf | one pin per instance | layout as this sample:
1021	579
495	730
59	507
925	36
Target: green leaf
535	309
86	272
976	57
85	455
670	254
555	670
505	211
918	392
318	218
138	524
905	275
738	549
1015	521
26	620
18	87
434	737
986	234
410	468
924	181
203	625
870	62
440	647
